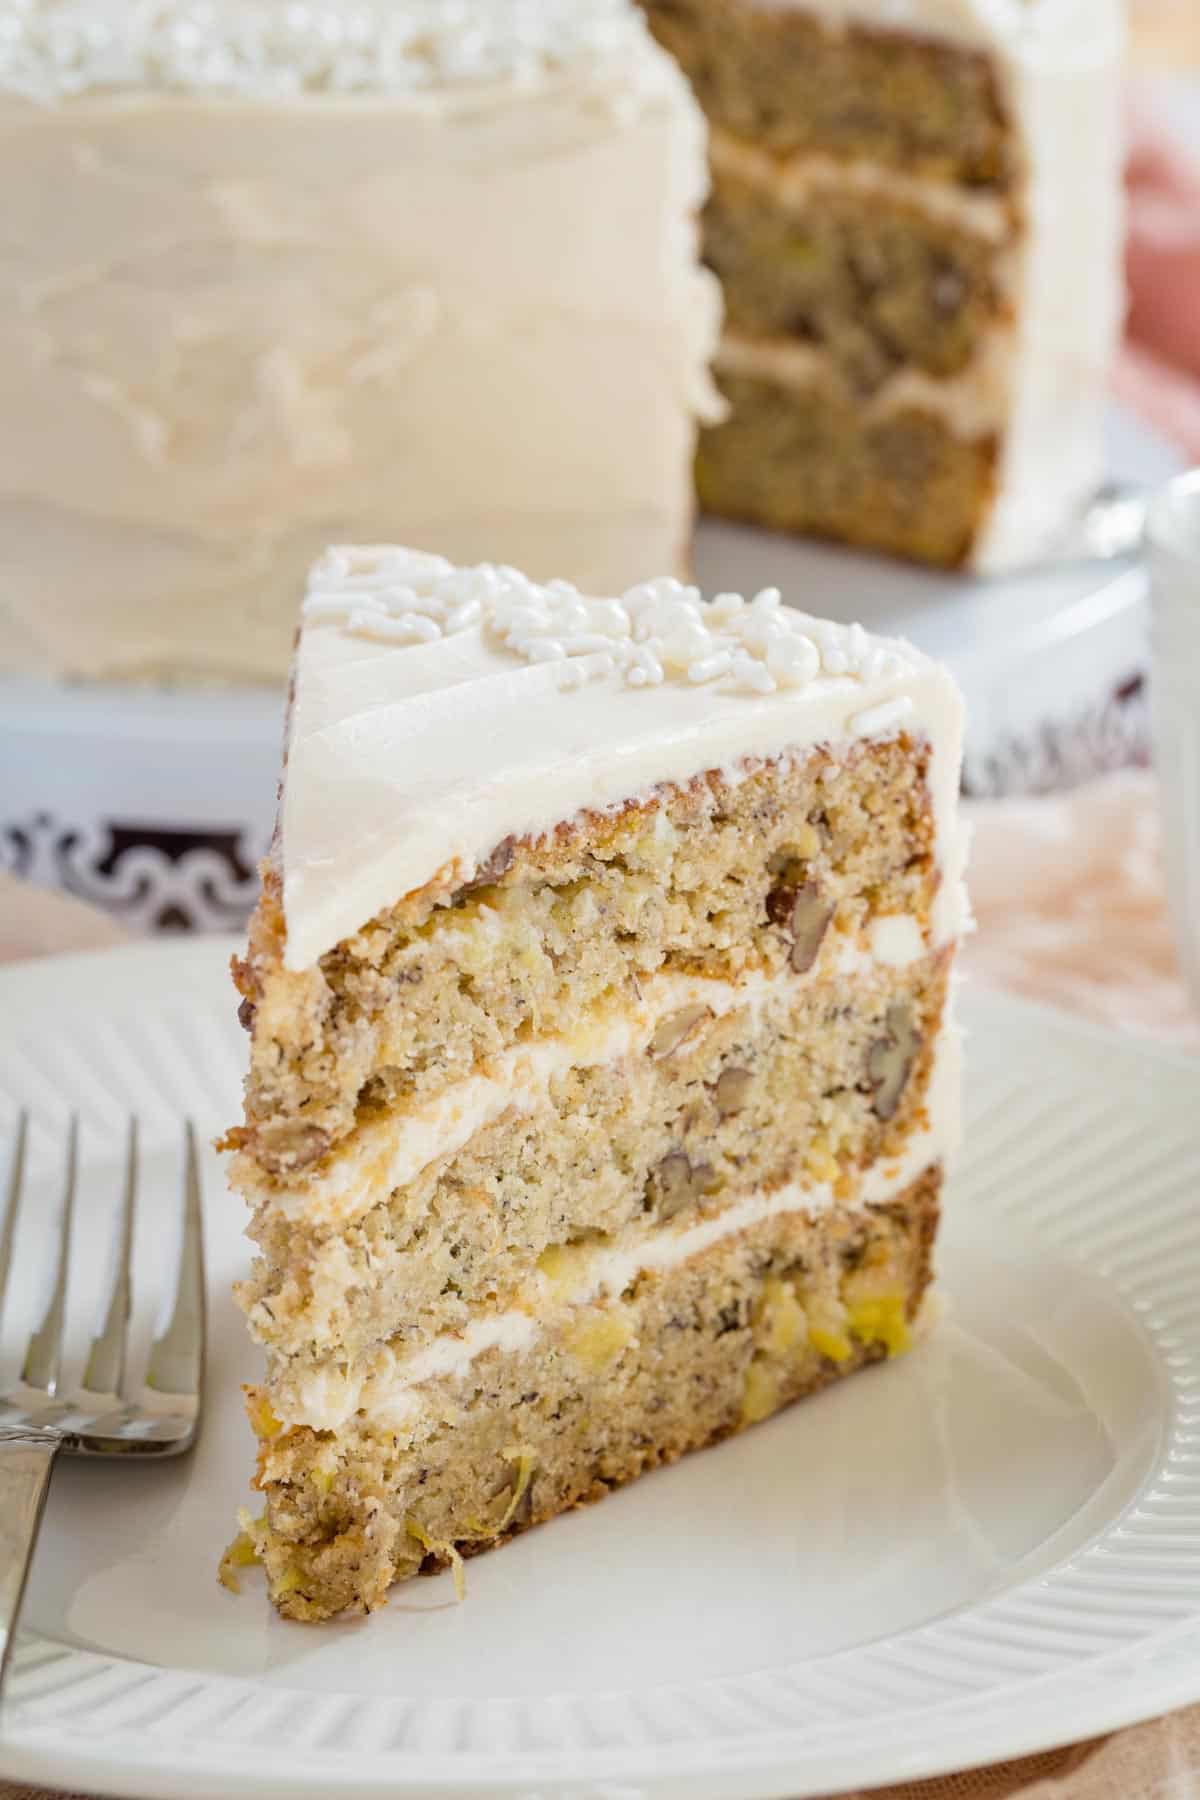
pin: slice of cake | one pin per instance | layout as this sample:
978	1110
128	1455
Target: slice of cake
275	274
601	1078
916	218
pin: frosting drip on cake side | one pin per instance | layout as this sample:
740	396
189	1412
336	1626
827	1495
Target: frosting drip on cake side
439	711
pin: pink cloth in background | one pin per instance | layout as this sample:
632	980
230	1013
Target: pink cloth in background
1069	896
1158	374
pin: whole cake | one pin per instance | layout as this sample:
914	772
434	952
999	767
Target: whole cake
602	1075
916	218
277	274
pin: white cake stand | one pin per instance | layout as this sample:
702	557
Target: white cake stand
159	804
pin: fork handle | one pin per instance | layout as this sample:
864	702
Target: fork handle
26	1461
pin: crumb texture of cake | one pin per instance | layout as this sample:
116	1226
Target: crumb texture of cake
897	195
886	477
694	882
705	1108
355	267
601	1052
681	1359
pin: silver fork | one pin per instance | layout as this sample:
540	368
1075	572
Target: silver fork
107	1414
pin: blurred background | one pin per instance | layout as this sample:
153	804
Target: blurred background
1166	33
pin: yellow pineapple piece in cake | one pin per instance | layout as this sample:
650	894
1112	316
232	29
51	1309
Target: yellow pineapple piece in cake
599	1338
782	1321
760	1396
876	1304
881	1320
820	1162
827	1333
263	1421
560	1264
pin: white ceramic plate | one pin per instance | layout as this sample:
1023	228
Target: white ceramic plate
984	1549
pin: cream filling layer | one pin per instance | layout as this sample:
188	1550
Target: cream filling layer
387	1153
794	181
972	403
385	1389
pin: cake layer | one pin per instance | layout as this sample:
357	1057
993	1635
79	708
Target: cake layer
876	281
698	880
392	1146
807	456
812	1080
786	77
680	1358
406	666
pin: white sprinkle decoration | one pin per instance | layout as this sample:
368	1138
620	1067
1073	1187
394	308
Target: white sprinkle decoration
726	607
793	660
884	717
409	628
712	667
659	631
322	609
52	49
424	630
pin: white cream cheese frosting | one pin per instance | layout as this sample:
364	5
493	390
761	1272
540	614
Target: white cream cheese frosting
1058	65
293	285
388	1152
796	181
386	1385
438	711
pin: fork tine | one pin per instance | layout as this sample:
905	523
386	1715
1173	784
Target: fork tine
8	1220
105	1372
43	1359
176	1363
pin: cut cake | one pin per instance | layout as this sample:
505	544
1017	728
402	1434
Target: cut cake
916	218
602	1075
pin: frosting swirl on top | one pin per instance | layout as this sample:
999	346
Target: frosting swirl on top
51	49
